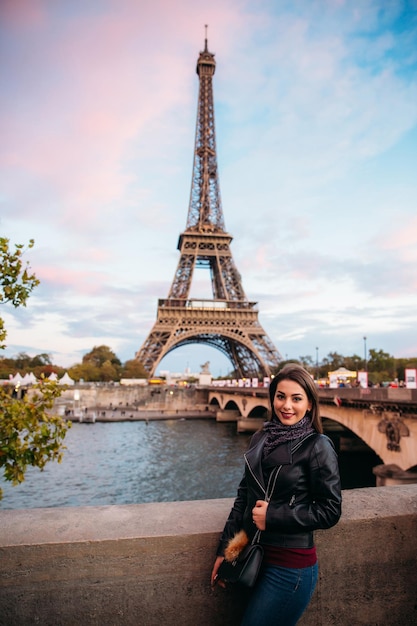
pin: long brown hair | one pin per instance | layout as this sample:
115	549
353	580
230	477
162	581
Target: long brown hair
299	375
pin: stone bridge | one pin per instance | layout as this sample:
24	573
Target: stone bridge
385	419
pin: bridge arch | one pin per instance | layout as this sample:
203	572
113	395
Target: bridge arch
259	411
368	426
245	401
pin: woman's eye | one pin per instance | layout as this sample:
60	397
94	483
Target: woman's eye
280	397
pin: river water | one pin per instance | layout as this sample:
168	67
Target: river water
136	462
160	461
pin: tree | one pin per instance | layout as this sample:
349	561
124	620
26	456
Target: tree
354	362
107	365
333	361
381	366
22	361
134	369
100	364
307	362
16	281
402	364
29	435
108	371
6	367
87	372
285	362
41	360
40	365
99	355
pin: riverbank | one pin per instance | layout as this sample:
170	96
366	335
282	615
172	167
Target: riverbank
132	415
97	403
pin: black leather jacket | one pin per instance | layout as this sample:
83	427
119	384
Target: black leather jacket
306	494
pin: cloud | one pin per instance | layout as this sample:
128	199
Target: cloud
316	115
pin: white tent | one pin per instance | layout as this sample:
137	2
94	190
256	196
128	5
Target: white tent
66	380
32	378
26	380
342	373
17	378
340	376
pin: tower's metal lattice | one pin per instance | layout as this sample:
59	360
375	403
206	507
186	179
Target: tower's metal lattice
228	321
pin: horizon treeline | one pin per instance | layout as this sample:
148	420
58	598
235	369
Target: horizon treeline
102	365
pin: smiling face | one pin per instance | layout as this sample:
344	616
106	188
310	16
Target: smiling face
290	402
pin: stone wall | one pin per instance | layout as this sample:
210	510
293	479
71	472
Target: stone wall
117	396
149	564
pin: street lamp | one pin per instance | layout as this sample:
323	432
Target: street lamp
365	354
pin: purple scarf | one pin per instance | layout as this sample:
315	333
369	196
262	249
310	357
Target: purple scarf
277	433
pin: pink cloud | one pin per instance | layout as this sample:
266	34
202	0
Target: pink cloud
85	282
92	89
263	257
22	14
402	239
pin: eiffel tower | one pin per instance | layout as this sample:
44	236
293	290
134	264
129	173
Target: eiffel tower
228	321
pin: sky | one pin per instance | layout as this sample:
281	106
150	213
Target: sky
316	132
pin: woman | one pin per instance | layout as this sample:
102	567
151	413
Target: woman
306	495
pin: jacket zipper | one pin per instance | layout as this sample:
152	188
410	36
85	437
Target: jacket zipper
253	475
257	535
268	493
278	470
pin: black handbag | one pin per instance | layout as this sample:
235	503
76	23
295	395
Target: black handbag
245	568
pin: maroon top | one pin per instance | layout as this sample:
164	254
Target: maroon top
294	558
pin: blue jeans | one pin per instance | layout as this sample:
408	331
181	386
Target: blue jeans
280	596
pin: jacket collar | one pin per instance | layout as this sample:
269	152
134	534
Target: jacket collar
281	455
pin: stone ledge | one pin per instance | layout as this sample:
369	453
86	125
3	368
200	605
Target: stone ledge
150	564
98	523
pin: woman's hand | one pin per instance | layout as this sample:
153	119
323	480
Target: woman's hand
259	514
214	576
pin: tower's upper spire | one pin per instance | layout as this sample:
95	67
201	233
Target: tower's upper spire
206	63
205	211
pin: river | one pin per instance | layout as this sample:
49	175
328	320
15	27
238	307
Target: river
135	462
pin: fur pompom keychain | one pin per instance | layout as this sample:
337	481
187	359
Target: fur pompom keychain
235	546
